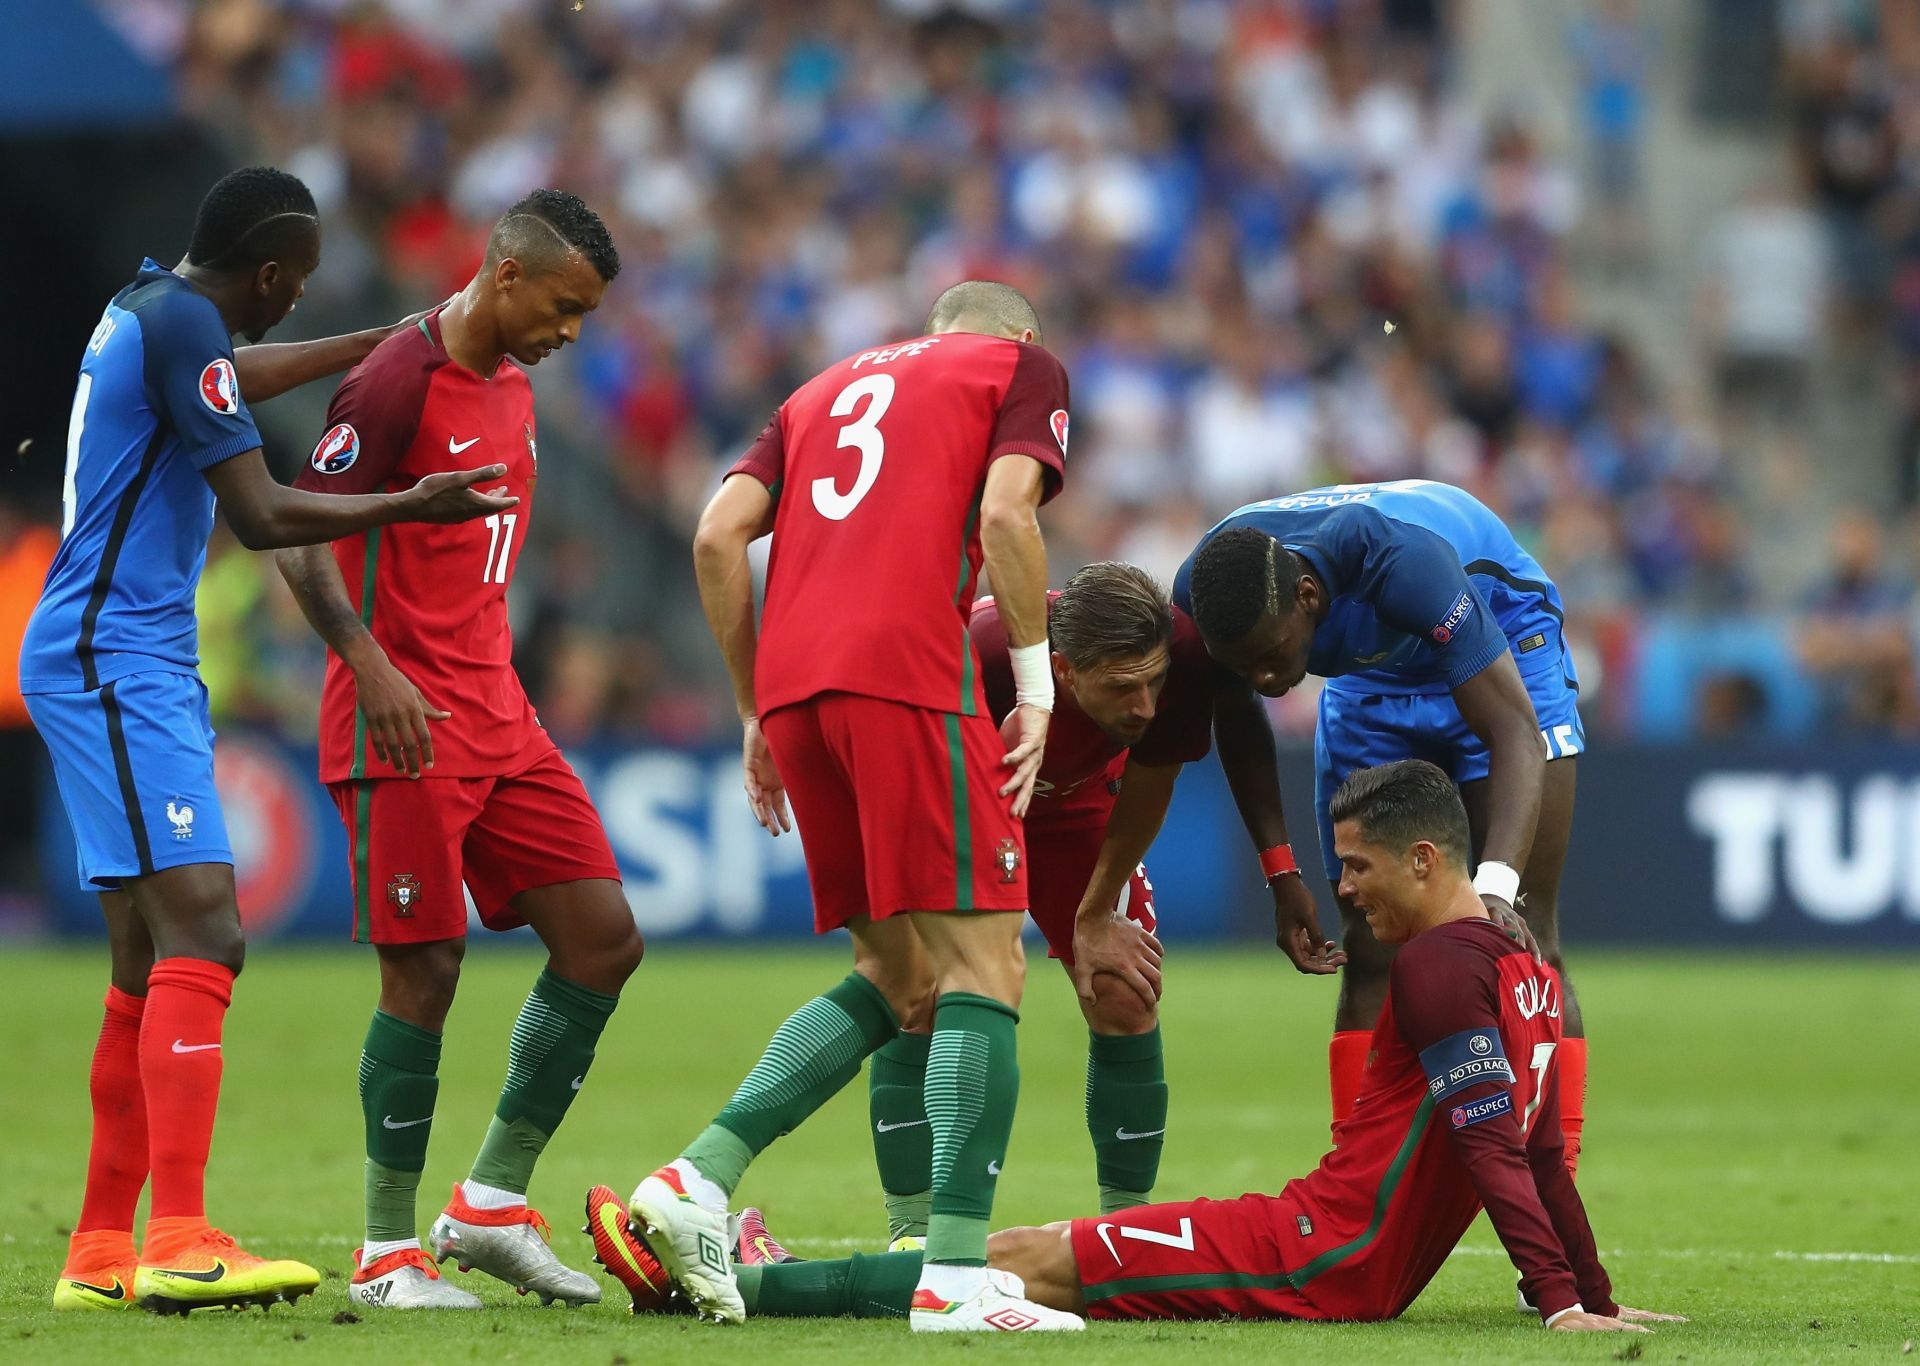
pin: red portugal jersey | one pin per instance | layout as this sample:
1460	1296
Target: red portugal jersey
1459	1109
1081	770
877	465
435	597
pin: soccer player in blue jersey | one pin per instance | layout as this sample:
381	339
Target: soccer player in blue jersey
1440	639
160	431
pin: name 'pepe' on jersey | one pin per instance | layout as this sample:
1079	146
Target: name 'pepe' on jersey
435	597
1081	771
1428	585
876	466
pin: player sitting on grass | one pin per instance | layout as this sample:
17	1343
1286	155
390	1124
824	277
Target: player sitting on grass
1458	1110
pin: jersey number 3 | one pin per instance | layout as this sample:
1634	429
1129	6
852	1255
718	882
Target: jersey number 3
863	433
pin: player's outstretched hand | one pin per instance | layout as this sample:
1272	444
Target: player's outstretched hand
1296	928
766	794
396	713
1595	1323
1515	924
1025	733
451	496
1627	1315
1121	947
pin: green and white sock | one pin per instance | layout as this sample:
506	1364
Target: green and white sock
399	1066
973	1082
862	1287
1126	1114
815	1052
547	1060
902	1135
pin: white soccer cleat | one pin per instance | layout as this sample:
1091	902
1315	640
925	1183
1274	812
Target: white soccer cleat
406	1279
1000	1305
691	1242
510	1245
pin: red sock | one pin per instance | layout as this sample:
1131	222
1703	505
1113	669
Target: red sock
117	1164
180	1063
1573	1098
1346	1063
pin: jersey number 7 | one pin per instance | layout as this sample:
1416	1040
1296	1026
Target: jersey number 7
863	433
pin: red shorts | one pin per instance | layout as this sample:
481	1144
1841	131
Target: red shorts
414	841
1060	864
898	808
1202	1259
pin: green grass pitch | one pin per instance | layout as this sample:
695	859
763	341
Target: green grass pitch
1750	1158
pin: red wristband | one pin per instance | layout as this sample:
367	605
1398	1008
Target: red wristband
1276	860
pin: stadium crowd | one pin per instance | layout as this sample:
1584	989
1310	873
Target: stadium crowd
1273	242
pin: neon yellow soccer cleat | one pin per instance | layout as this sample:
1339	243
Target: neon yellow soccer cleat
208	1270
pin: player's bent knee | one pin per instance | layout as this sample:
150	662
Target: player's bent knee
1118	1009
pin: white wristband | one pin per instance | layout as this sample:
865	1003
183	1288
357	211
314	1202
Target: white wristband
1573	1308
1032	675
1497	879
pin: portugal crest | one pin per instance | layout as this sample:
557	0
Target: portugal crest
402	893
1006	857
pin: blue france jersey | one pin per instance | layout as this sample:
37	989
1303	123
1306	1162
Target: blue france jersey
158	403
1428	586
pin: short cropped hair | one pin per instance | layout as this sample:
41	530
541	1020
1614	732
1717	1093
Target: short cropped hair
541	229
1399	803
1109	611
250	217
1238	576
986	302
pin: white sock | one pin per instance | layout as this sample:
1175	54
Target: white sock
375	1249
705	1192
490	1197
952	1282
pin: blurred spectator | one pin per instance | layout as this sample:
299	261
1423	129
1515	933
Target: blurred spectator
1855	636
1613	48
1765	300
26	551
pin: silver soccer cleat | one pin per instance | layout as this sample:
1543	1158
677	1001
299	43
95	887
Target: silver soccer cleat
405	1280
511	1246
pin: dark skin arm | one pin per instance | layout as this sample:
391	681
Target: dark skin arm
1244	739
1100	942
396	714
1495	706
266	514
270	369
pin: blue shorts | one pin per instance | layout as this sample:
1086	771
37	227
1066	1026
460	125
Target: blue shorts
134	761
1365	729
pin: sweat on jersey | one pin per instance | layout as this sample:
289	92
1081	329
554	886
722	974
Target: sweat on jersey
877	466
157	405
1427	586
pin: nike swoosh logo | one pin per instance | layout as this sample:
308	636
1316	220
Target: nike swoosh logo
209	1277
117	1292
993	1169
182	1046
577	1080
386	1122
455	447
882	1127
614	1222
1106	1236
1126	1137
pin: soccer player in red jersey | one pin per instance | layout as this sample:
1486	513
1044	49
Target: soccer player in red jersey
1457	1113
1132	704
886	481
440	769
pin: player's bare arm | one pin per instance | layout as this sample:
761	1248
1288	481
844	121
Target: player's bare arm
267	515
272	368
1016	565
1244	738
1495	706
1102	941
396	713
739	514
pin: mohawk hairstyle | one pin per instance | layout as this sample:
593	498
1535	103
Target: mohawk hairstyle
1238	577
244	219
540	230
